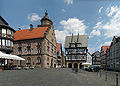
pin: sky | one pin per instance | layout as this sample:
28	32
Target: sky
99	19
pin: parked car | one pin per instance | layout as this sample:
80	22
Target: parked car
93	68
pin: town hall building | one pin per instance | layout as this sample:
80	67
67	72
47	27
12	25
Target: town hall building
76	50
36	45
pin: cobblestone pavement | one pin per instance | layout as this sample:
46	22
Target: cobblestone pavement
51	77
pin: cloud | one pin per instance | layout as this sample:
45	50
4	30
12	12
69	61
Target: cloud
98	25
95	33
63	10
68	1
60	35
96	30
107	43
33	17
100	10
112	10
72	25
111	27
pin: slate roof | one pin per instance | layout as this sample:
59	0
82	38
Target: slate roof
83	39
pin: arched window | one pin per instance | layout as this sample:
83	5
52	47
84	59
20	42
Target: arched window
38	60
28	60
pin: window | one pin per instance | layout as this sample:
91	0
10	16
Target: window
8	31
47	58
3	31
48	43
12	33
20	50
39	48
3	42
11	43
7	42
54	50
72	44
28	60
0	41
48	48
38	60
28	49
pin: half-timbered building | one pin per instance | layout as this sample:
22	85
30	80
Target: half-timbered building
76	50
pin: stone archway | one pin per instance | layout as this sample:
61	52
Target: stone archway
75	65
69	65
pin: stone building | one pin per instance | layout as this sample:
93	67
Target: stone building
36	45
76	50
103	56
96	59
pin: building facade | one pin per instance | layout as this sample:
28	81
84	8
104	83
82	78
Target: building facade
6	37
36	45
96	59
89	58
103	56
76	50
59	54
113	61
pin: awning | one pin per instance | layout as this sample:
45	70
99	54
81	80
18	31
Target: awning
8	56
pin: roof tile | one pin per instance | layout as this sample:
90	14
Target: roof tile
27	34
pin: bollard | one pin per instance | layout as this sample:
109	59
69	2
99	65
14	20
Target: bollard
106	76
117	79
100	73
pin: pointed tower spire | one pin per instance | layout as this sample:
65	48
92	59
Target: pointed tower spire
45	21
77	37
46	14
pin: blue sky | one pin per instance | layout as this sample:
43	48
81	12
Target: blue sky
99	19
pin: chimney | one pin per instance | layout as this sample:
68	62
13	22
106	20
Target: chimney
31	27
